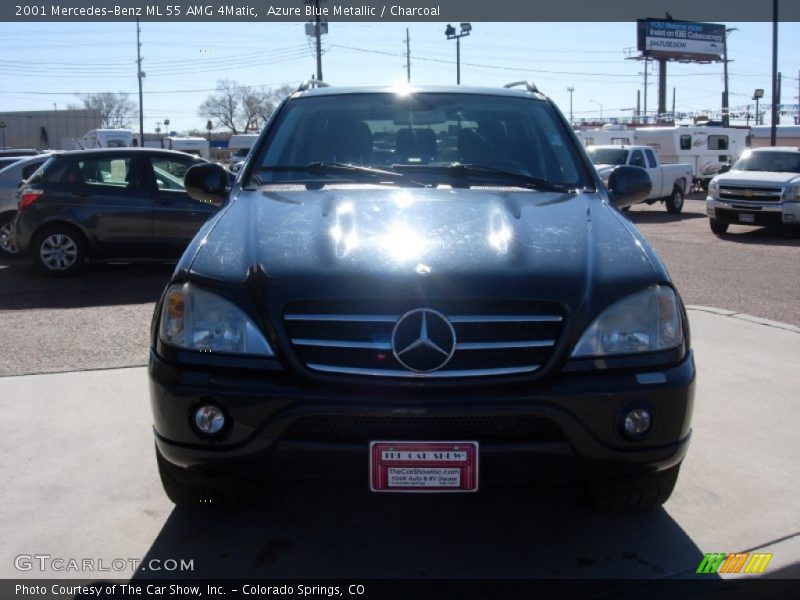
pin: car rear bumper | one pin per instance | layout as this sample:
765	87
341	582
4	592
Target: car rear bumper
286	432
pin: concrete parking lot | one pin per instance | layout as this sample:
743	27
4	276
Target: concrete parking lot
81	480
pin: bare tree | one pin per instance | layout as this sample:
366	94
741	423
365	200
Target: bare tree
116	110
255	104
241	108
225	106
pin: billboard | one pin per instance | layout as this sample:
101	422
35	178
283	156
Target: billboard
681	40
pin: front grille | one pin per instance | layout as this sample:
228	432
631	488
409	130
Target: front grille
752	194
360	429
491	339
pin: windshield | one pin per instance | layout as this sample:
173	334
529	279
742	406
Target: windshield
779	162
607	156
431	130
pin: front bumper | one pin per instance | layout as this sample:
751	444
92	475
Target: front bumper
764	214
567	431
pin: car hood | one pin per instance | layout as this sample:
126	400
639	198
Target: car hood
571	248
758	178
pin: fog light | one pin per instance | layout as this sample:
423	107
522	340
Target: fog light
637	422
209	419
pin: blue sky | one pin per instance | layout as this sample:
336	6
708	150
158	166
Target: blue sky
42	64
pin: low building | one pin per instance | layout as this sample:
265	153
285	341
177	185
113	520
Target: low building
46	129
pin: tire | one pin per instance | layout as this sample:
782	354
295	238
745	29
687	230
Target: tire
8	246
195	494
643	493
674	202
59	250
717	227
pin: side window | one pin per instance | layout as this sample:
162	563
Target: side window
718	142
637	159
108	172
686	142
169	172
651	159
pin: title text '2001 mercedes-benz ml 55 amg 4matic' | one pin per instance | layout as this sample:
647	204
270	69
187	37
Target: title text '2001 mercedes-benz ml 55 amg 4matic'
420	290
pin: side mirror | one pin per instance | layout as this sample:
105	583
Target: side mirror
724	167
628	186
209	183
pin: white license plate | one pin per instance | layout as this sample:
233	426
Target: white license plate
423	466
746	218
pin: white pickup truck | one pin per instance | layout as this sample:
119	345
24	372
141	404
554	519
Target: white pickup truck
762	188
670	182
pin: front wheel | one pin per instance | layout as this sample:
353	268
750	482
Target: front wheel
674	202
59	250
8	242
717	227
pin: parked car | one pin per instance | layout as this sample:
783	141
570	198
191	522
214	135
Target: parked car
108	203
11	177
670	182
9	160
762	188
397	316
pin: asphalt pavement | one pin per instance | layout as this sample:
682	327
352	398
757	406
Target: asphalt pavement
81	482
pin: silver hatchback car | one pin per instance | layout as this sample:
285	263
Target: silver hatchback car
11	178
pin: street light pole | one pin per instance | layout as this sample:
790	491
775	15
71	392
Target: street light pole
601	108
451	34
570	89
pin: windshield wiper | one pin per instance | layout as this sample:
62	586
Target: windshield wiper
337	168
470	170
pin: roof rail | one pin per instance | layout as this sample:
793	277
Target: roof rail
311	83
529	85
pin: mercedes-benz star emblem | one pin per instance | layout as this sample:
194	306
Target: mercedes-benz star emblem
423	340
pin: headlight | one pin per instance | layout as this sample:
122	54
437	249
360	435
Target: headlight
647	321
194	319
792	193
713	188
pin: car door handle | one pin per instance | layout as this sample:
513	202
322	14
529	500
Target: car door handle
163	200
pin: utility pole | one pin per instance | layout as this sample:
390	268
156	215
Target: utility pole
408	57
570	89
778	101
773	132
646	62
140	75
318	36
638	105
725	102
673	106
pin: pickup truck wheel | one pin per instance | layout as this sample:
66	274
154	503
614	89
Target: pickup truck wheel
717	227
194	494
643	493
675	201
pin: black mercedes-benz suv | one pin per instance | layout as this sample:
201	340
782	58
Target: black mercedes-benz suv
420	290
